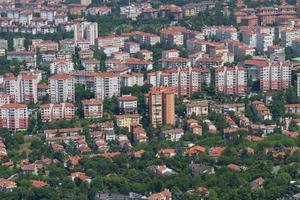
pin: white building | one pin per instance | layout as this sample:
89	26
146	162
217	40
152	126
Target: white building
61	88
86	31
107	85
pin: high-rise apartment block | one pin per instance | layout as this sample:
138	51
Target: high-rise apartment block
275	76
86	31
61	88
162	106
14	116
22	88
185	81
231	80
107	85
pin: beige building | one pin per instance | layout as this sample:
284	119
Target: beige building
127	120
92	108
162	106
197	107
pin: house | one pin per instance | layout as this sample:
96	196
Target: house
292	134
194	150
234	167
198	169
7	185
216	152
162	170
166	194
167	153
138	154
31	168
194	127
139	135
211	127
261	110
292	108
173	135
257	183
81	175
101	145
38	184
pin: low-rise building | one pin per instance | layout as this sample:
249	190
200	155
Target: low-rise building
173	135
261	110
197	107
127	120
52	112
92	108
127	104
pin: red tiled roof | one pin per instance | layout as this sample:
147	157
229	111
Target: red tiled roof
35	183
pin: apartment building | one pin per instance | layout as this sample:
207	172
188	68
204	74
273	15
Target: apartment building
146	38
288	35
175	62
260	109
107	85
127	120
110	40
275	76
184	81
92	108
226	33
14	116
171	53
61	66
61	88
249	37
296	47
171	36
131	47
86	31
263	41
161	106
138	65
132	79
197	108
22	88
127	104
239	49
52	112
231	80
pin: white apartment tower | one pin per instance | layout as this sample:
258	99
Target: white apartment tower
231	80
107	85
61	88
86	31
